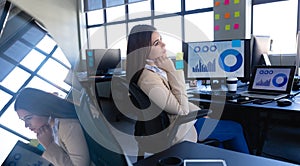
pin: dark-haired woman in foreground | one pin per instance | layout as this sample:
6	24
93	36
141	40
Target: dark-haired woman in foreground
56	125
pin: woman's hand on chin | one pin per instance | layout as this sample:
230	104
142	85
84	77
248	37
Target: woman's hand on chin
44	135
165	63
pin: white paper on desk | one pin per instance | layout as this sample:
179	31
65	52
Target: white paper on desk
204	162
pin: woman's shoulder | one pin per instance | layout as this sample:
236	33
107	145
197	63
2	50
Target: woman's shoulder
69	126
68	122
148	74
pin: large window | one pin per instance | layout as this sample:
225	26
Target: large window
35	60
167	6
196	4
276	19
139	10
279	21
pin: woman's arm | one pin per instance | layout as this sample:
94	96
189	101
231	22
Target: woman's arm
169	95
74	149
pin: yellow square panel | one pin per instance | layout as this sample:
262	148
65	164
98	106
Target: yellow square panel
237	14
227	27
217	16
179	56
236	1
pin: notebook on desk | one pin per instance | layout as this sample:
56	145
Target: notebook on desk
270	82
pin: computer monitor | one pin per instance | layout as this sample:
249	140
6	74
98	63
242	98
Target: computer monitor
261	45
102	61
209	60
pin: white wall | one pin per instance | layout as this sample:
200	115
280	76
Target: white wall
61	18
285	59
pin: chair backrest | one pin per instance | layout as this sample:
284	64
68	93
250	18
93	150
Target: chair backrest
103	147
159	129
101	155
132	101
142	101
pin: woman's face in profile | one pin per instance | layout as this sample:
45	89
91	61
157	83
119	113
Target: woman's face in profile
33	122
157	46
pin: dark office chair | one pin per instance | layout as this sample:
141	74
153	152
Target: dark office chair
157	131
97	135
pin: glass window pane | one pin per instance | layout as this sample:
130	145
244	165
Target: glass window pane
33	60
114	3
95	17
196	4
171	37
5	97
133	1
38	83
276	23
55	73
96	37
46	44
139	10
132	24
59	55
115	33
34	35
5	67
15	79
92	4
8	141
17	51
11	120
173	44
122	44
167	6
115	13
199	27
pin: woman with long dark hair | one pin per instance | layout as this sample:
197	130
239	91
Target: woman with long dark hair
55	122
165	86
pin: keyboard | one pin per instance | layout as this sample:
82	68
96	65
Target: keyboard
258	95
209	94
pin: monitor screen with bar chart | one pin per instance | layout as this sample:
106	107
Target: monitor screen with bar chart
217	59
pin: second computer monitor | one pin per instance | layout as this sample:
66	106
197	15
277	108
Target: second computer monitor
103	61
217	59
260	49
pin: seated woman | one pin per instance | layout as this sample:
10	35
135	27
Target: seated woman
165	86
55	123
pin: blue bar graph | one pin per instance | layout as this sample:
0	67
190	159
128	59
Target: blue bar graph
209	67
263	83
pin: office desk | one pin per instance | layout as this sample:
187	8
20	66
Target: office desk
190	150
99	88
249	113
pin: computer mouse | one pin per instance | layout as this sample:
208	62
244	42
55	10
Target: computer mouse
242	98
284	102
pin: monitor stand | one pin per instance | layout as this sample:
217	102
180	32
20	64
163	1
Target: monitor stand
266	59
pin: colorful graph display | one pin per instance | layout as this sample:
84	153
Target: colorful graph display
268	79
216	59
202	67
